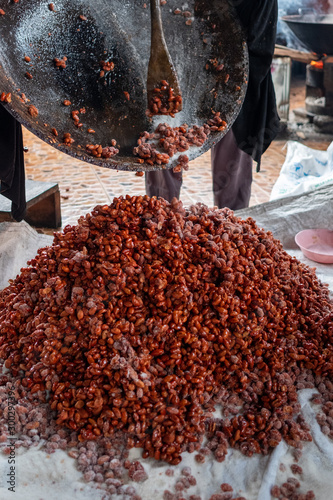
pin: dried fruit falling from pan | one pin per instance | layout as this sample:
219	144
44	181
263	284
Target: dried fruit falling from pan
157	148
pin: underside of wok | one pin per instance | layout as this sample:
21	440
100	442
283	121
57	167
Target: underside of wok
315	31
77	72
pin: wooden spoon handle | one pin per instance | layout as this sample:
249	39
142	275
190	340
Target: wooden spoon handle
157	35
160	66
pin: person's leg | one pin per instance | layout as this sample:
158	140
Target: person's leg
12	171
232	174
163	183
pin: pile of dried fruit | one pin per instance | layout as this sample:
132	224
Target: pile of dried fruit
173	140
145	315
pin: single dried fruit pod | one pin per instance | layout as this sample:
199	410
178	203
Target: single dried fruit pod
6	97
32	110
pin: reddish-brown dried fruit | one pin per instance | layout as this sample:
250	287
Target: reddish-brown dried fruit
60	63
6	97
32	110
107	65
99	151
67	139
164	101
150	314
172	140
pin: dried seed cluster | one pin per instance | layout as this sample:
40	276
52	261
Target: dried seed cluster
99	152
106	66
173	140
67	138
289	490
145	315
103	462
60	63
6	97
164	101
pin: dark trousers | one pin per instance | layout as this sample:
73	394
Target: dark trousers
12	172
231	171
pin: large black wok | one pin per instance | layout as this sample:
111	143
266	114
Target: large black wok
118	31
315	31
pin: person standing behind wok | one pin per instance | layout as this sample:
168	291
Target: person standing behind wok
12	170
256	125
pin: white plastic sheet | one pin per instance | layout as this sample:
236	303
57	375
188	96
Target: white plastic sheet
19	242
305	169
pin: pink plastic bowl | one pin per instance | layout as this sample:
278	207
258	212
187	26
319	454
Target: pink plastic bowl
316	244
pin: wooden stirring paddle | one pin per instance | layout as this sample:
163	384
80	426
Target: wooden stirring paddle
162	75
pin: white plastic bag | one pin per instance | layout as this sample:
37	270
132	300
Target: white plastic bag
304	170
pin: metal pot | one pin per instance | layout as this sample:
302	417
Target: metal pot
315	31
